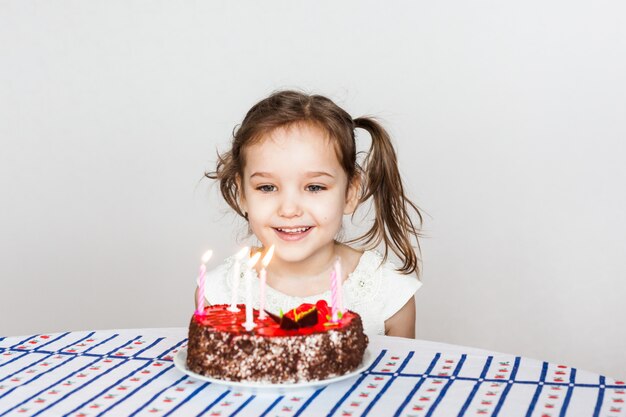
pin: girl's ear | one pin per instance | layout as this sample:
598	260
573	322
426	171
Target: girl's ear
352	196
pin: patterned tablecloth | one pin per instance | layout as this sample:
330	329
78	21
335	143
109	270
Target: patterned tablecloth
130	372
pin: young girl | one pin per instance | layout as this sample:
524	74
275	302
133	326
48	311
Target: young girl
292	174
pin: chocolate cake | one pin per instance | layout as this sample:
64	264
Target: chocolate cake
301	345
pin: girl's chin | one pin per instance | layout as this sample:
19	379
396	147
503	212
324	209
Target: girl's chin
291	255
296	253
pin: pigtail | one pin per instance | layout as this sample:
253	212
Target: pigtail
393	223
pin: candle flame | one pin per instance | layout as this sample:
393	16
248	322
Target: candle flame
268	256
242	252
207	255
252	261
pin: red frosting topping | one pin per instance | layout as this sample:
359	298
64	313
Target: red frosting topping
219	318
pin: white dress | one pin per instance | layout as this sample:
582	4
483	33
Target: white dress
375	292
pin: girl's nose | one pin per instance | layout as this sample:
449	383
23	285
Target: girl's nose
289	207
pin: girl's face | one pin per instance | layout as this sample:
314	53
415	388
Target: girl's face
296	193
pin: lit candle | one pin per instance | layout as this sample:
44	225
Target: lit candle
263	277
339	275
238	257
201	280
249	323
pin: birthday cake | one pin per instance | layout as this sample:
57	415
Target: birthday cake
304	344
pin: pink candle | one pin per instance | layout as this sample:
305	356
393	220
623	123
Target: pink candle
249	323
263	278
235	287
201	281
333	296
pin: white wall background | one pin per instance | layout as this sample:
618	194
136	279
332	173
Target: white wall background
508	118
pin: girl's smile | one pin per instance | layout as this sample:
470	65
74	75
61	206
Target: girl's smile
292	233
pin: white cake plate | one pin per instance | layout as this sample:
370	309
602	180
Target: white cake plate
180	361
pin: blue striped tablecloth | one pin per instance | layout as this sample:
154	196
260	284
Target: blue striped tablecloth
130	372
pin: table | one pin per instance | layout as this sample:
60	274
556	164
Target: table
130	372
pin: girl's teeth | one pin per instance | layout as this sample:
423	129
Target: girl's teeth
298	230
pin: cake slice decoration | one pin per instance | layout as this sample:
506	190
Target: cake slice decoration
305	315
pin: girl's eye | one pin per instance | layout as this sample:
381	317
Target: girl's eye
266	188
315	188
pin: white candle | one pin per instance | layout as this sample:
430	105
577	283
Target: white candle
201	281
263	277
235	287
249	323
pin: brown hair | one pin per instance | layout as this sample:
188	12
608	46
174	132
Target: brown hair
379	173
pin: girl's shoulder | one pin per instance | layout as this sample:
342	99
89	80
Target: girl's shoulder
382	276
390	288
369	275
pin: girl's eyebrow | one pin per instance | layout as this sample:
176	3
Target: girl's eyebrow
313	174
310	174
261	174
